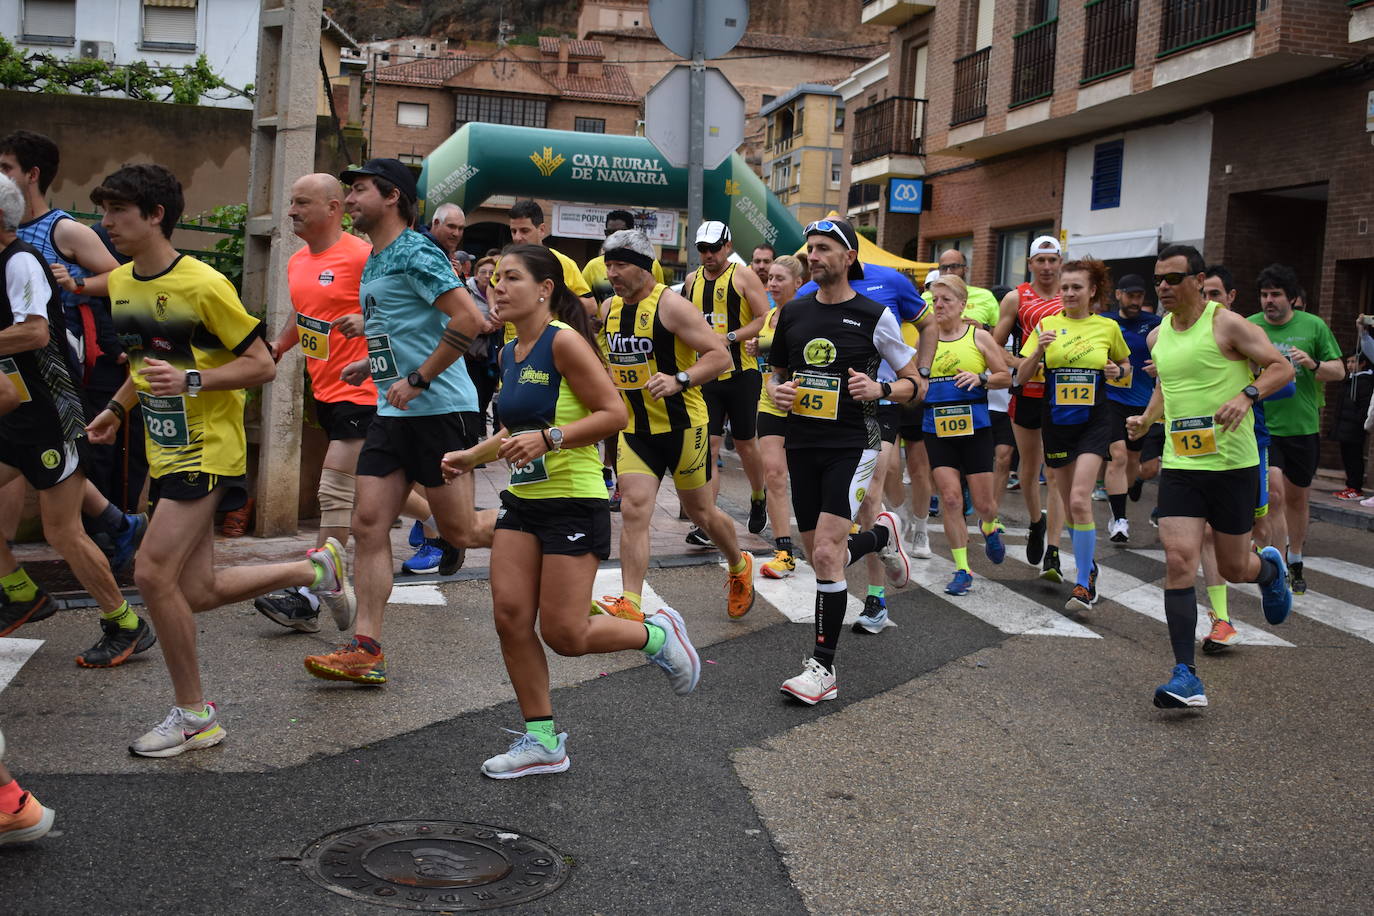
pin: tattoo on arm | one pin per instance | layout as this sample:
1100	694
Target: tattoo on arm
457	340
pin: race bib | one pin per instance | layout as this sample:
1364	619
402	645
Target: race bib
1075	389
818	396
720	321
1122	382
165	419
534	472
953	421
381	362
12	372
314	335
1193	437
629	370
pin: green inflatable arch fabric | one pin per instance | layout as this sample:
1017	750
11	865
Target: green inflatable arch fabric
481	160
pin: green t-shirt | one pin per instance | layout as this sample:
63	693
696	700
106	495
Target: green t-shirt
982	307
1299	415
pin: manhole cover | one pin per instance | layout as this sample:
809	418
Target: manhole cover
434	865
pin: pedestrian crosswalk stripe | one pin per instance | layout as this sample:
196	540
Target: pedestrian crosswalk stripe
416	594
995	604
1350	572
608	582
795	596
13	654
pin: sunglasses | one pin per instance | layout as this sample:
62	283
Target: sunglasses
948	268
1173	278
829	227
702	248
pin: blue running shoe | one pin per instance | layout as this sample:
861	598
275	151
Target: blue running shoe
1276	597
678	658
425	561
968	503
417	535
126	542
874	616
935	507
1183	690
993	546
960	584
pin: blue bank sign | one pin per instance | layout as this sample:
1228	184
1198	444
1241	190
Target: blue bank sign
905	195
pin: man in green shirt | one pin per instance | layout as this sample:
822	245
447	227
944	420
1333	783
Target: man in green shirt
1294	423
982	304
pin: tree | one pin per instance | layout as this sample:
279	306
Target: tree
39	71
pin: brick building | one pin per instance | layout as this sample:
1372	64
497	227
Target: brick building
802	151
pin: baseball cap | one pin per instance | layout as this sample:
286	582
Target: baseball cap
393	170
713	232
1131	283
932	277
1045	244
842	232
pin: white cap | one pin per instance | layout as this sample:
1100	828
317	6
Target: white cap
712	232
1045	244
932	277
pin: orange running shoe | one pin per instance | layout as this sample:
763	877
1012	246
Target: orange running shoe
1222	637
781	566
349	663
740	588
618	607
29	823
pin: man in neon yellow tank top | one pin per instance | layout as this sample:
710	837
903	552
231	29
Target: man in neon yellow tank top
1211	463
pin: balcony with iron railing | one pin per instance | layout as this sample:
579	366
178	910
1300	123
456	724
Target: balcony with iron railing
970	87
1032	68
864	197
889	139
1187	23
780	145
1108	38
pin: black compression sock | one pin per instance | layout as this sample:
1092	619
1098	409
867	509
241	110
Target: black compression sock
831	602
1118	504
1180	609
1268	572
866	542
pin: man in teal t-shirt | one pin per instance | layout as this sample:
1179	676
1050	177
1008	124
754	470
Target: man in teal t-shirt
1294	423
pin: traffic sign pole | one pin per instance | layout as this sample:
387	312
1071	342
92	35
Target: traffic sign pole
696	174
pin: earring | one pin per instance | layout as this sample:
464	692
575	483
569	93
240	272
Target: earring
541	298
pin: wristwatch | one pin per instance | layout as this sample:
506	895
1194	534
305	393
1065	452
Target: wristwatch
555	439
983	377
80	283
1251	392
731	336
924	372
193	382
684	380
416	380
887	390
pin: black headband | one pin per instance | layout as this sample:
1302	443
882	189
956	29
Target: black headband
630	256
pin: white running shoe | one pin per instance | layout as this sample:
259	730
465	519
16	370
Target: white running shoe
813	685
181	731
1119	530
895	561
334	589
528	757
919	539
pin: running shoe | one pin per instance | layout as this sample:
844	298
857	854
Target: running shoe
740	589
1099	494
117	645
618	606
920	543
874	616
935	507
1295	580
968	503
126	542
1222	637
615	499
678	658
698	538
1092	582
893	555
180	732
1013	481
1348	493
758	514
450	557
527	756
961	583
349	662
334	589
416	538
290	608
993	546
31	822
1184	689
1154	517
813	685
1276	597
1134	492
1368	502
781	566
1035	541
1119	531
1080	599
14	614
1051	571
425	561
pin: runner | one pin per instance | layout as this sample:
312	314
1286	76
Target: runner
1026	306
982	308
785	274
825	349
426	405
39	443
554	527
22	818
1132	461
209	350
1205	394
1081	351
527	227
958	431
734	302
595	270
650	338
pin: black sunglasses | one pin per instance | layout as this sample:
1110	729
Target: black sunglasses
1173	278
702	248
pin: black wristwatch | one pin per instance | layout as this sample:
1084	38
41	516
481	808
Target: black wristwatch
983	377
924	371
887	391
80	283
684	380
1251	392
416	380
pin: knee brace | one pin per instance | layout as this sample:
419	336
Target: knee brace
336	498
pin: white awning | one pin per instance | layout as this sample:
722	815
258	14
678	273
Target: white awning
1138	243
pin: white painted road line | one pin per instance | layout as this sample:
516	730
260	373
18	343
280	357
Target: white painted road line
1350	572
416	594
13	654
995	604
608	583
795	596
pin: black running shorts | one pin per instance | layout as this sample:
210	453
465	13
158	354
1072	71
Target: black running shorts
968	454
566	526
830	480
1226	499
415	445
737	398
344	420
1297	456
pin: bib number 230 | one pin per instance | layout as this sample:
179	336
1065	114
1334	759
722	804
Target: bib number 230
381	362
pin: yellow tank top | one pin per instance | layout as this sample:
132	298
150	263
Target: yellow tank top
765	338
953	356
635	346
725	310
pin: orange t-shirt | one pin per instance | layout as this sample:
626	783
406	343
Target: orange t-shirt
324	287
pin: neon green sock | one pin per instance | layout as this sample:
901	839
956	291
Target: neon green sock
657	636
990	527
319	573
960	558
878	591
738	566
543	730
124	616
200	713
1216	594
756	494
18	586
634	598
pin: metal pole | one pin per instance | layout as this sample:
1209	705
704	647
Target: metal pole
696	108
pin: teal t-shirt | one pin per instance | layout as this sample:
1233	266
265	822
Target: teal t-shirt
399	286
1299	415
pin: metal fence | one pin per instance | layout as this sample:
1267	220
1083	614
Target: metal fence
893	127
1109	38
1185	23
226	262
1032	68
970	87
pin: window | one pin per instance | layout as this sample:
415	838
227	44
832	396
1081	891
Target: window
500	109
1012	247
834	176
766	100
963	244
839	116
590	125
414	159
1107	175
50	21
412	114
169	24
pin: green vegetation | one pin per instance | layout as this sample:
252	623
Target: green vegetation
39	71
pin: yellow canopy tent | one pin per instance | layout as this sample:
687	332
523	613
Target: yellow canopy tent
870	253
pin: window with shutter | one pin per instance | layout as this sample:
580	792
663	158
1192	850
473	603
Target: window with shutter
169	24
1107	175
50	21
412	114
